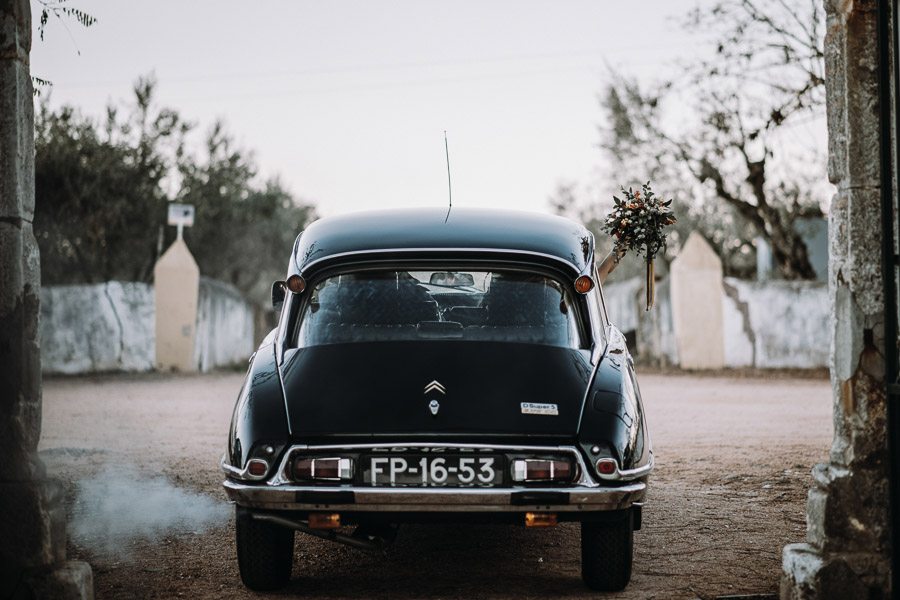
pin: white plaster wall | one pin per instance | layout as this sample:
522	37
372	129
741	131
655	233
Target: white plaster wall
96	328
656	341
772	324
790	321
621	302
737	329
224	326
655	335
111	327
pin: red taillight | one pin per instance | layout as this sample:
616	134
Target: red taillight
303	468
257	467
538	469
329	469
525	469
562	470
326	469
607	466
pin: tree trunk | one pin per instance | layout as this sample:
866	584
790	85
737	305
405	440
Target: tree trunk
788	248
790	252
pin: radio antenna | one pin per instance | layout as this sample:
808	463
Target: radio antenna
449	186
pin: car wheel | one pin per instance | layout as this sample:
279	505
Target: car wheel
265	552
607	548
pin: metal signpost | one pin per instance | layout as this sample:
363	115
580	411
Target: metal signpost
181	215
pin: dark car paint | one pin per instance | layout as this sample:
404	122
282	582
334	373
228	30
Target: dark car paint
465	229
382	389
611	417
609	410
614	413
259	415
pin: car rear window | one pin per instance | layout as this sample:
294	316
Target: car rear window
494	306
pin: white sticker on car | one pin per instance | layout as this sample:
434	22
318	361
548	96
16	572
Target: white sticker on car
531	408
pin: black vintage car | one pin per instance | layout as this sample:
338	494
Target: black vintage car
431	367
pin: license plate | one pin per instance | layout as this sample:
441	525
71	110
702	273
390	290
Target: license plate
433	471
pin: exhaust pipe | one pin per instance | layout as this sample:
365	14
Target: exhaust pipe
368	543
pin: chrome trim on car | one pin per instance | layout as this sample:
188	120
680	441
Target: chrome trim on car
341	255
242	474
483	500
628	474
583	480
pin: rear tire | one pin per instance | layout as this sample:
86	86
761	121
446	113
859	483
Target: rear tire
607	549
265	552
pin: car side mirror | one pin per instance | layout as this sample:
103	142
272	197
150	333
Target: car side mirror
278	293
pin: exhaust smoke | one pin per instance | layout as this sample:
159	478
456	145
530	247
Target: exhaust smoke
117	508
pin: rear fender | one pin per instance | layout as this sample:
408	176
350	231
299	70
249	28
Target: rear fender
259	418
613	414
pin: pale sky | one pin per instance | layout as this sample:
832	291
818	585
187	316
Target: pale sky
347	101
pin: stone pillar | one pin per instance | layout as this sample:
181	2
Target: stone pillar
176	288
32	516
847	553
697	294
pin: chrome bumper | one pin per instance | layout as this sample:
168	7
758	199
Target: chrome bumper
436	500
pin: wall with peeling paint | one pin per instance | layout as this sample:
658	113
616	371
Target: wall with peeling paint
772	324
99	327
111	327
777	324
224	326
622	299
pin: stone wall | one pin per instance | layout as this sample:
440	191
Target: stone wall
111	327
847	549
32	514
772	324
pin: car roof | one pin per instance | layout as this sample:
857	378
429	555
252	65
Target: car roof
421	231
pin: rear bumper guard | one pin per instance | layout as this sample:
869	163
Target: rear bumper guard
484	500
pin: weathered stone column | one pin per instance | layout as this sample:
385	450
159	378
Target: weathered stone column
32	518
847	553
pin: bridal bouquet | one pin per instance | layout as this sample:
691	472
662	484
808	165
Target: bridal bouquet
637	222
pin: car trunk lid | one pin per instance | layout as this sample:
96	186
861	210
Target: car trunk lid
437	389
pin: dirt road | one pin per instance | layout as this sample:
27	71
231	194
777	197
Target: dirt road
733	462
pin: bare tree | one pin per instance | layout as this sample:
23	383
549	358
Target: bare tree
720	124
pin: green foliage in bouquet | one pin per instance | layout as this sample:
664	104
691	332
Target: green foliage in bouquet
638	221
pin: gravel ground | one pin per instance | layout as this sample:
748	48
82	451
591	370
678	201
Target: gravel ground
729	490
